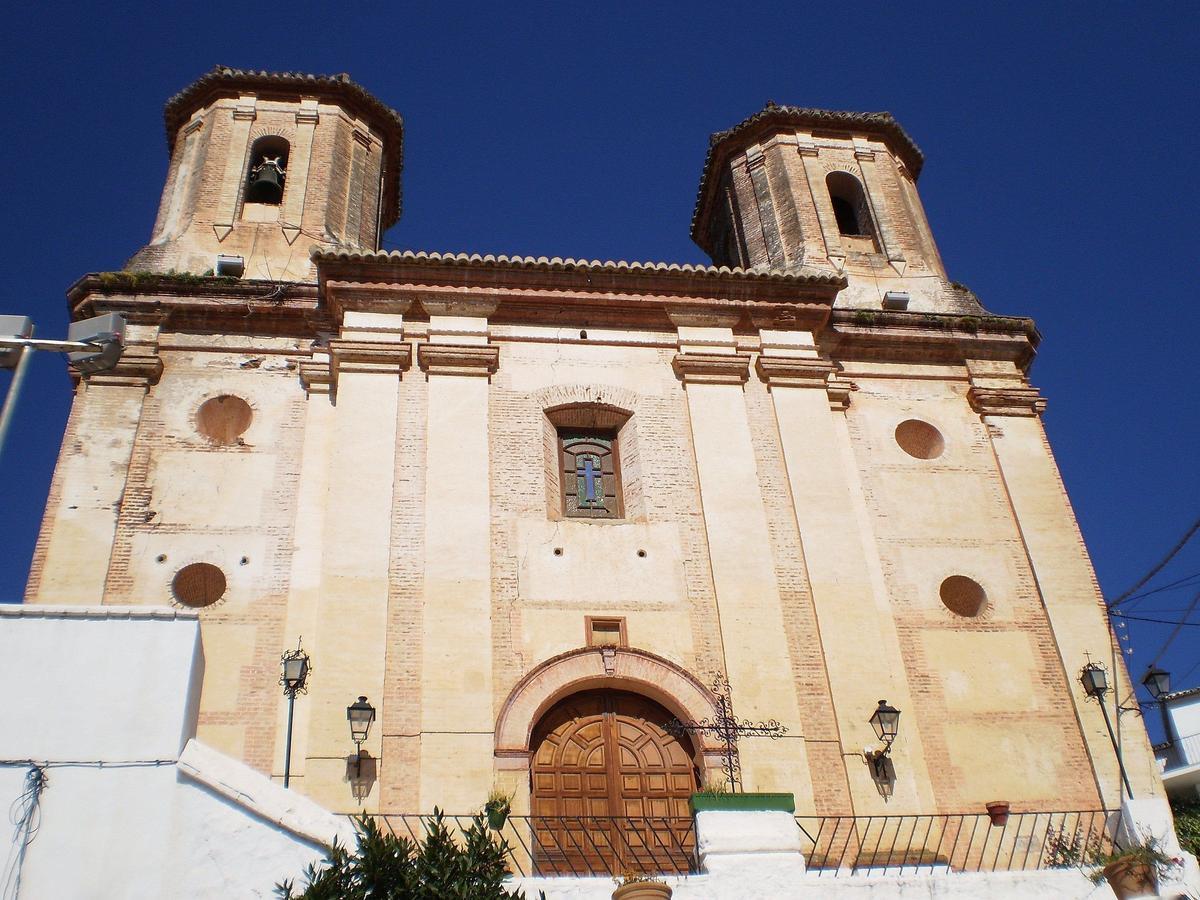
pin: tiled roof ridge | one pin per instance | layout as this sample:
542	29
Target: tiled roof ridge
883	123
554	263
180	106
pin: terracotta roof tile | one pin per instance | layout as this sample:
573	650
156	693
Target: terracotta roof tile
556	263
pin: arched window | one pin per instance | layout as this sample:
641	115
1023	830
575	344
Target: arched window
590	473
267	174
850	206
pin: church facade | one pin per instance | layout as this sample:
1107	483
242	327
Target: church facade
533	508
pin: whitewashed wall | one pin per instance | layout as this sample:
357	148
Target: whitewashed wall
104	701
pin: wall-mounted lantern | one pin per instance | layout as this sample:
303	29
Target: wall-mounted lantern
360	714
1157	682
886	722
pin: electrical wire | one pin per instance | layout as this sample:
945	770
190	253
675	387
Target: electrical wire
1158	621
26	817
1158	568
1178	584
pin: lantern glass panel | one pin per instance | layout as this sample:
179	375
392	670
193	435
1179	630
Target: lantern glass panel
886	721
1157	682
361	715
295	670
1095	680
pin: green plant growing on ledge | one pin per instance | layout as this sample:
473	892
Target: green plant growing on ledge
136	279
864	317
438	867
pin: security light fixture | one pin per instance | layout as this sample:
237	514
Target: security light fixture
105	334
1157	682
92	345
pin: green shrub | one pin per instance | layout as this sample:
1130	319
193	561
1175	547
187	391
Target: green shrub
1187	824
388	867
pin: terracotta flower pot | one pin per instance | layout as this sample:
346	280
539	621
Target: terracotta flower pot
642	890
1130	878
997	811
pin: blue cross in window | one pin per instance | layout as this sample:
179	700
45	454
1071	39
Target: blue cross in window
588	472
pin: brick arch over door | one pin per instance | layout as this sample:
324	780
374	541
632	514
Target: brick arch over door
607	668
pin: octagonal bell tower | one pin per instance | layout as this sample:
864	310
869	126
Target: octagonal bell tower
792	188
265	167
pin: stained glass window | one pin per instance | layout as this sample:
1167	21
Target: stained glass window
590	474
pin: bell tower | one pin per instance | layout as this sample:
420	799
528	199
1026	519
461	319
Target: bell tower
267	166
792	188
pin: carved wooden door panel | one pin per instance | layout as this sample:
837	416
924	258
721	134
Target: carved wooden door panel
610	787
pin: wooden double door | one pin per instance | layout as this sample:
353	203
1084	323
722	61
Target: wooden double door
610	787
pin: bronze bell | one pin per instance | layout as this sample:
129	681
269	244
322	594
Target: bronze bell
266	183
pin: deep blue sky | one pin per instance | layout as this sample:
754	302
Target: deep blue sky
1060	182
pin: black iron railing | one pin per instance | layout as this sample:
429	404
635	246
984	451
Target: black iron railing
865	845
581	845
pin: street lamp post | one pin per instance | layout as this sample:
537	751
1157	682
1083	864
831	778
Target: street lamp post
1095	684
294	678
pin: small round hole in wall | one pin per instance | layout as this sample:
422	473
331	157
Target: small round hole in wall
244	561
198	584
963	596
162	558
642	554
920	439
558	551
223	419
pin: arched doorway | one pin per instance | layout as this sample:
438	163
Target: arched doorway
610	787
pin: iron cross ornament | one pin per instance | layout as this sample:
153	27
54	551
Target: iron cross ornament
727	729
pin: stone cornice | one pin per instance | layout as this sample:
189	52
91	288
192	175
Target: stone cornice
712	368
140	366
1007	401
315	375
793	371
805	372
381	357
458	359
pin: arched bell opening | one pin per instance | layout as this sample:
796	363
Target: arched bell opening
267	174
610	786
850	206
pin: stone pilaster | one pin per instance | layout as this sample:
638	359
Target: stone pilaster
457	715
748	598
351	470
243	114
75	546
1062	569
853	609
874	190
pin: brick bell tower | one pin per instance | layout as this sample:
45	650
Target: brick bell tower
792	189
265	167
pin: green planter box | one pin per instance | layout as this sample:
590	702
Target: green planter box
744	803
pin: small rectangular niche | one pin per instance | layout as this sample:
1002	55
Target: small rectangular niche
605	631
